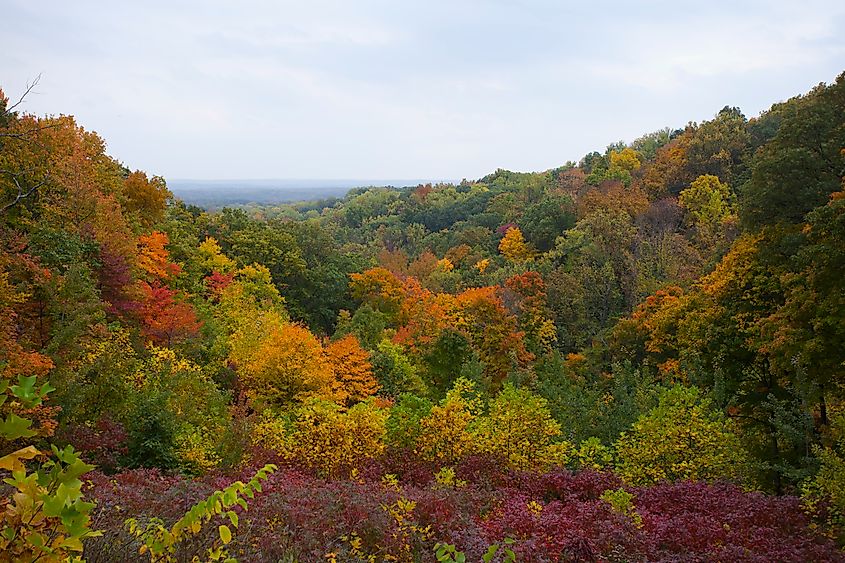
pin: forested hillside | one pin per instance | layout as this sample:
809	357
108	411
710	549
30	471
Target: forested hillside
635	357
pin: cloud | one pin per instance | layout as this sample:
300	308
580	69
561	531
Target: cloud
374	88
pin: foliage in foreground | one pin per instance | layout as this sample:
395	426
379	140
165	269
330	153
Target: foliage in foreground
397	510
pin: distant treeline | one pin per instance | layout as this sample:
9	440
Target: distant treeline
216	194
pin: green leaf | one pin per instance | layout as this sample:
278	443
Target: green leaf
491	551
15	427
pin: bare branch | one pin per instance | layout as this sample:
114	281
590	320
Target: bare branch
29	87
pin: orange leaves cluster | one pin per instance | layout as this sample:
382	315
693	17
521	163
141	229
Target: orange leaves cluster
166	317
285	363
668	171
353	373
153	257
421	315
492	330
650	333
614	195
529	290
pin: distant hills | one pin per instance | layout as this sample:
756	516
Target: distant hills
212	194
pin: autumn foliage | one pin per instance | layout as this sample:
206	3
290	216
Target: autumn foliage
633	357
353	372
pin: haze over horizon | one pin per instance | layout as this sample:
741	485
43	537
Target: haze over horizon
208	91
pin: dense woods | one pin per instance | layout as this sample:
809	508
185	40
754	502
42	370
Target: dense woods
633	357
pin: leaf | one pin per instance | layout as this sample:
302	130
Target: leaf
225	534
15	427
12	461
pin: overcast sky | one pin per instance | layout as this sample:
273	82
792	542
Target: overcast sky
397	89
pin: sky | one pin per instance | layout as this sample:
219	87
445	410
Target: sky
442	90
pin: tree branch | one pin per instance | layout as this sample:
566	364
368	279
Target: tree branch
23	192
29	87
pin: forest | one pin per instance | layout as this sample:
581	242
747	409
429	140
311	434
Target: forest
633	357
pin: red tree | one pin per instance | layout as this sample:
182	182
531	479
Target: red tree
164	318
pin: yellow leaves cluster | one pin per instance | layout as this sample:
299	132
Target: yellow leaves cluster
210	257
196	450
709	209
446	478
251	291
281	362
445	265
513	246
680	439
534	507
322	435
592	454
445	434
164	363
626	159
407	530
733	271
520	428
482	265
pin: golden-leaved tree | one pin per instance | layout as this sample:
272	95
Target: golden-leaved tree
446	433
513	246
325	436
519	428
681	439
281	362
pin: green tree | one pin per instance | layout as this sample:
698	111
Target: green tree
709	209
802	165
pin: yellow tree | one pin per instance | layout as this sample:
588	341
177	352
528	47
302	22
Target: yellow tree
626	159
250	297
324	436
284	364
682	438
211	258
707	202
446	434
520	428
513	246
